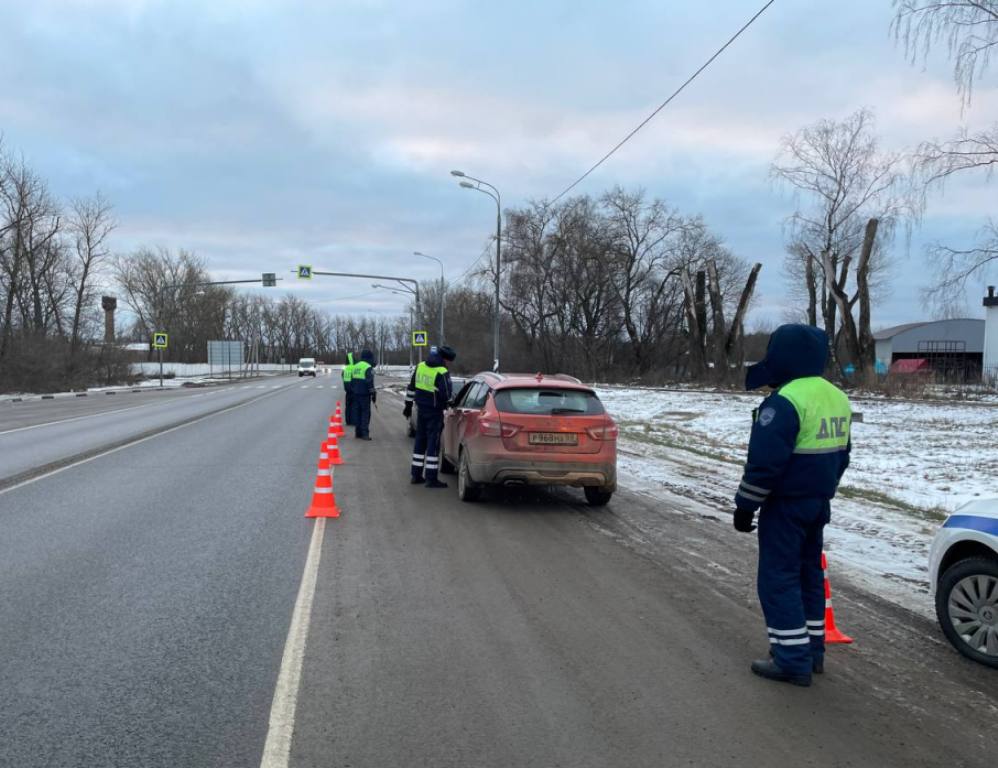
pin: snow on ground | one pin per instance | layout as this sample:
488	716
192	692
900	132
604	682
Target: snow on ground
911	464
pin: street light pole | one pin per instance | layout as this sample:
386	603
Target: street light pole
497	198
443	291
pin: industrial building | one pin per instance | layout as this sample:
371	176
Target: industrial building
951	349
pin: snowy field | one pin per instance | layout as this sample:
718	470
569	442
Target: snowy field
912	463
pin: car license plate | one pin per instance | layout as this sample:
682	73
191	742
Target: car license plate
553	438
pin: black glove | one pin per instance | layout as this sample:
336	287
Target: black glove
407	410
743	521
374	397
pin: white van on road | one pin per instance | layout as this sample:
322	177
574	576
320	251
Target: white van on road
306	367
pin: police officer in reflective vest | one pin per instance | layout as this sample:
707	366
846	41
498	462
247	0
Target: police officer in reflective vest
362	386
347	378
797	453
430	388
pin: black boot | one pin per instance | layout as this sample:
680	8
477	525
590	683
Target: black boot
435	484
768	669
416	480
817	665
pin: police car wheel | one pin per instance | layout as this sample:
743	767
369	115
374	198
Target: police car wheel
467	490
967	608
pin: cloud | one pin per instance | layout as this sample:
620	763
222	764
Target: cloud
261	133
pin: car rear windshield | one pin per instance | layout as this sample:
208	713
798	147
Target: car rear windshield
548	402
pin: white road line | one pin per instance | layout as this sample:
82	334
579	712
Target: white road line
277	748
79	418
100	413
87	460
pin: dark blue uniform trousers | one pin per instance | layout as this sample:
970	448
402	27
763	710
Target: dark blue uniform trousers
426	450
361	415
791	583
349	406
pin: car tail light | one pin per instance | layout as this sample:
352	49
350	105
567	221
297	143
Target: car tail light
490	427
495	428
604	432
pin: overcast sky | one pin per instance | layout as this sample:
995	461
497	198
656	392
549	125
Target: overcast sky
266	134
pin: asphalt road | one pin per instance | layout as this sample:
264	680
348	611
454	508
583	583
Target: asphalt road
146	598
36	435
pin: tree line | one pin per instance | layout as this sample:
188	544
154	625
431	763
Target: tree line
52	254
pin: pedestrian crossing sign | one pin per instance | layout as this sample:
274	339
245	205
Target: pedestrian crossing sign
304	271
419	338
160	340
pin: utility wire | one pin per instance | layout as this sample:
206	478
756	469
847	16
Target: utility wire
665	103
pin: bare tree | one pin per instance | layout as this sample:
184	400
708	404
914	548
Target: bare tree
968	29
90	225
841	179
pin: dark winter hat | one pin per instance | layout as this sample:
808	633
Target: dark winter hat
794	351
447	353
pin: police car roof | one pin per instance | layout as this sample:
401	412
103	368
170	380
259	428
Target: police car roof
513	380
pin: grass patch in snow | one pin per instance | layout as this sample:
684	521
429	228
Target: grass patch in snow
642	433
932	514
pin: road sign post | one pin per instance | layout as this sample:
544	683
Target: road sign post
160	341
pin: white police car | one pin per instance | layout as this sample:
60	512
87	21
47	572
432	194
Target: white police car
963	572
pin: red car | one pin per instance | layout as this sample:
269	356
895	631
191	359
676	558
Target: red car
523	429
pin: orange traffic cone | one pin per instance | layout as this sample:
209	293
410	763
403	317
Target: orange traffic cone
332	446
832	632
324	457
323	498
335	425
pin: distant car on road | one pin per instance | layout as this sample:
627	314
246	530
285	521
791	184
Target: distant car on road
963	571
306	367
530	429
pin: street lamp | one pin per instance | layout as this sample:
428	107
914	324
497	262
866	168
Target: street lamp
470	182
443	291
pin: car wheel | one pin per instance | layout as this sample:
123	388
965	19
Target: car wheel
596	496
467	490
967	608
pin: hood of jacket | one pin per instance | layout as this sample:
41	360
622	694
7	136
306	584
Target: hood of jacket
794	351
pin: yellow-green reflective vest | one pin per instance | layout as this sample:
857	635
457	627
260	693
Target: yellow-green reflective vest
824	413
348	369
426	376
359	370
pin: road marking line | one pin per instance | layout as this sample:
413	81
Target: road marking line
277	748
105	413
88	459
